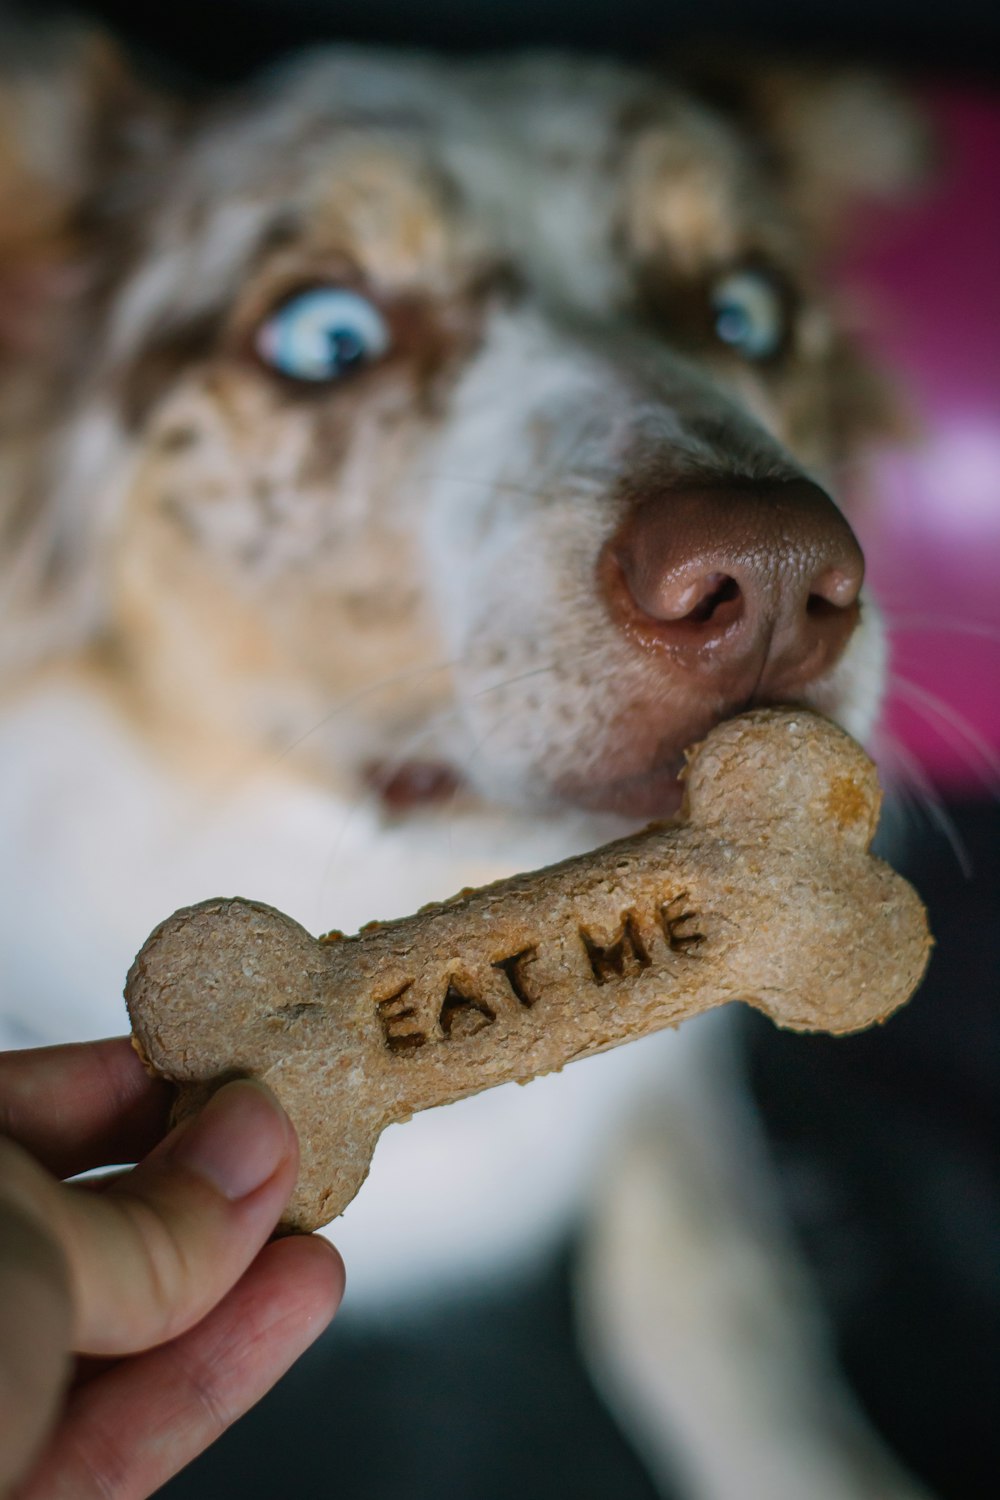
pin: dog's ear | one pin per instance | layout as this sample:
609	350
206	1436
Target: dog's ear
842	138
832	139
79	139
72	118
834	136
42	111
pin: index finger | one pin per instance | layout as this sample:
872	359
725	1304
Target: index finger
82	1104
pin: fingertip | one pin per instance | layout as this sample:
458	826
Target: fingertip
316	1269
334	1265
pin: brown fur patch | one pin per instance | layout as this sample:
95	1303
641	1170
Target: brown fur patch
145	380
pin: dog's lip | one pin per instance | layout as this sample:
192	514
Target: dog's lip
407	784
654	793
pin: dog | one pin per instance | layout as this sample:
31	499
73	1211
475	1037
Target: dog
403	461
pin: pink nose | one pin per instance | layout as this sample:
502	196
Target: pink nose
754	586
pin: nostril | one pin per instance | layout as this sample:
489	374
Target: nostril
689	595
822	612
819	609
718	590
836	587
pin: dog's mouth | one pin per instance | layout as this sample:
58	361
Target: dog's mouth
404	786
408	786
654	793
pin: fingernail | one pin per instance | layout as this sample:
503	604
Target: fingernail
238	1141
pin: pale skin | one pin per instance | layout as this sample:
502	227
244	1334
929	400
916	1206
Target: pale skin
141	1316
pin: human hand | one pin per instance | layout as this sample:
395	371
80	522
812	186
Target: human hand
161	1276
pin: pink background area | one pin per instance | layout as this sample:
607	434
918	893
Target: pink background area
929	282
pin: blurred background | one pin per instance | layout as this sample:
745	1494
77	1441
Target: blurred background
227	38
896	1130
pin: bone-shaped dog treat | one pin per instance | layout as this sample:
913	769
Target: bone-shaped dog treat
765	892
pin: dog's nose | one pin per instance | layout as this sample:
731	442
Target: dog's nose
754	586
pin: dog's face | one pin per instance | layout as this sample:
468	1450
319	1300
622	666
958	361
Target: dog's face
467	420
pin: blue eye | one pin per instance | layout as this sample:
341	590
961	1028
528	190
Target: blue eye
749	313
322	334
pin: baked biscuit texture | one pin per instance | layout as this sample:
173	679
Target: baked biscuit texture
764	891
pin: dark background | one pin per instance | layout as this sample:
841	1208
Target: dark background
225	38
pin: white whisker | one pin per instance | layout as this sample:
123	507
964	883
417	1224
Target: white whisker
500	486
411	674
928	801
931	624
953	727
496	687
